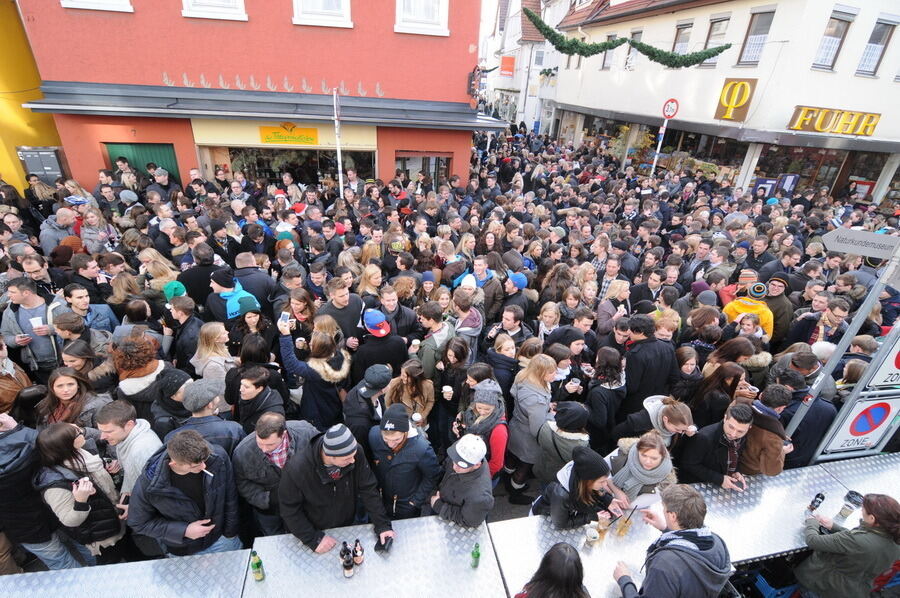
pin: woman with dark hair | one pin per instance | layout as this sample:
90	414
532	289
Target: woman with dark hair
715	393
79	491
301	310
604	397
413	390
738	350
70	400
256	351
845	562
581	493
99	371
642	465
502	358
325	375
251	322
450	372
689	375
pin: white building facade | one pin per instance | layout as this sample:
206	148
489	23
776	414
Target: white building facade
808	94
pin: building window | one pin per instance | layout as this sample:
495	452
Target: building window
874	51
631	57
112	5
831	43
423	17
323	13
682	37
228	10
715	37
578	60
757	33
608	55
538	58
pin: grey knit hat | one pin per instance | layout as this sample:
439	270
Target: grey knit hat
200	393
339	442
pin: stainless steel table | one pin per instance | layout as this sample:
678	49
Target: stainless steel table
767	519
521	544
878	474
429	557
218	575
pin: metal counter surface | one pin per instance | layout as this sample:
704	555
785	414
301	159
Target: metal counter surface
878	474
767	519
521	544
219	575
429	557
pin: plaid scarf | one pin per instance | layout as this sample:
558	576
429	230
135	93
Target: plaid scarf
734	451
279	455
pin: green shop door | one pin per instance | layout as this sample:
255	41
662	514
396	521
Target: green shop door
138	154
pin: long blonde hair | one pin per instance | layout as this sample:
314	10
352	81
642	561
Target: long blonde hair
536	372
207	345
365	280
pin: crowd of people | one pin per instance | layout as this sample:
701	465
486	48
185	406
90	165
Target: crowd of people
187	367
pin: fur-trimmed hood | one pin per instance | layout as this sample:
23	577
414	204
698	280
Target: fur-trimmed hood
332	370
761	360
577	436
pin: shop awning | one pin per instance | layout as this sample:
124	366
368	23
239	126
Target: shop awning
64	97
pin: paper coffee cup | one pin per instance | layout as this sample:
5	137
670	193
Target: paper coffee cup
36	321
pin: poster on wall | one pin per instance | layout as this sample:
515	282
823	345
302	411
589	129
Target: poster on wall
864	187
507	66
766	184
787	183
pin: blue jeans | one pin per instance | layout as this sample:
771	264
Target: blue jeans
60	552
223	544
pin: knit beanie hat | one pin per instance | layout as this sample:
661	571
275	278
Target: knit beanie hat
395	419
757	290
428	276
338	441
588	464
782	278
707	298
468	281
747	276
171	381
698	286
174	289
247	303
223	278
565	335
487	392
215	226
571	416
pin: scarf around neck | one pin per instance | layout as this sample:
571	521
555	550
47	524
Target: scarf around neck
632	477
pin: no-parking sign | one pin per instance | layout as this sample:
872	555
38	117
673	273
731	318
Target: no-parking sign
888	373
865	425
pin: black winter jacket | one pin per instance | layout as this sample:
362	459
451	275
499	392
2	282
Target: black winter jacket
161	511
311	501
603	402
650	369
705	457
102	520
466	498
247	412
24	517
407	477
389	350
559	500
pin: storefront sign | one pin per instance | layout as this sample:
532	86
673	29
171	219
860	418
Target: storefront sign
507	66
734	100
833	120
289	134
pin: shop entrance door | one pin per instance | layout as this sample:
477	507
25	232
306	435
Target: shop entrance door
436	165
139	154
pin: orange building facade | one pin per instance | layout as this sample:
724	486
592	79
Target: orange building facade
249	84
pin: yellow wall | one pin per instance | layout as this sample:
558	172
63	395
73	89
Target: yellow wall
19	82
244	133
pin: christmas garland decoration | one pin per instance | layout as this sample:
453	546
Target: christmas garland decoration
570	45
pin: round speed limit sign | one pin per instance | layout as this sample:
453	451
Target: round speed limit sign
670	108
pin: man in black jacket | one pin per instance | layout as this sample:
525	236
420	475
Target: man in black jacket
380	345
187	334
688	559
259	461
86	272
713	453
186	498
650	365
320	490
364	404
196	278
403	321
464	495
255	281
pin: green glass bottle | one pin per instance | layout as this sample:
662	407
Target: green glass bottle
256	566
476	555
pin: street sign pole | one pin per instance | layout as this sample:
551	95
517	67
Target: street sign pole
669	110
662	133
337	139
861	314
